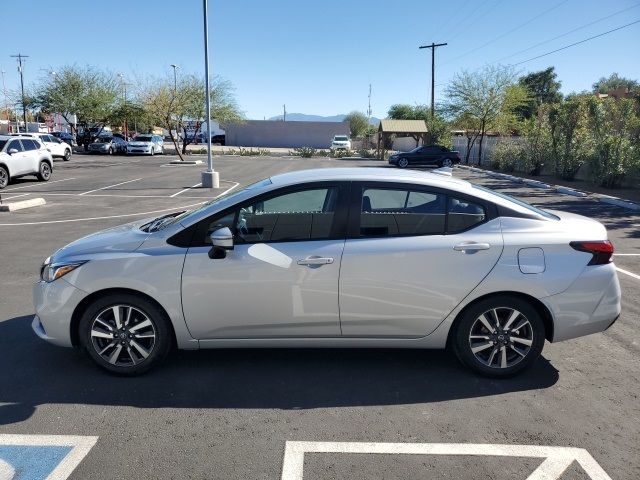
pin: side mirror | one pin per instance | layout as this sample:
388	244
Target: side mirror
12	151
222	240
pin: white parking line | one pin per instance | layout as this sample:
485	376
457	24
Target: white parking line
626	254
186	189
173	209
116	195
39	184
15	196
626	272
109	186
557	459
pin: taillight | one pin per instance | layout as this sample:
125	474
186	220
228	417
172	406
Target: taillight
602	250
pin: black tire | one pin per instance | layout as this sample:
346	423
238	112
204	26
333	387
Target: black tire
44	171
4	177
447	162
152	152
157	351
110	151
461	341
403	162
67	155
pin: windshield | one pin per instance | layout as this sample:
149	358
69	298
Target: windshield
142	138
340	138
103	139
170	219
521	203
2	144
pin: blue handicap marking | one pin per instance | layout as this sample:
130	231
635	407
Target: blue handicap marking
40	457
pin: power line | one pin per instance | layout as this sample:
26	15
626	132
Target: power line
518	27
568	33
459	27
476	19
578	43
447	22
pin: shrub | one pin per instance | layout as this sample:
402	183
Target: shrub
365	153
249	152
304	152
509	155
335	153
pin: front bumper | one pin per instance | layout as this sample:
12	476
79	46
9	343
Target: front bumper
393	160
55	303
138	149
590	305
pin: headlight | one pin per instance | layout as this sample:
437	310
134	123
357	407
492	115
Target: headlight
53	271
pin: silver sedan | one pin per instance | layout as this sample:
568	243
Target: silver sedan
335	258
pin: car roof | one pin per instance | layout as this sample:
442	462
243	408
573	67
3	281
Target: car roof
376	174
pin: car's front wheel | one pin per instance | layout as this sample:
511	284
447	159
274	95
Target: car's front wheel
403	162
447	162
125	334
67	155
44	172
499	336
152	152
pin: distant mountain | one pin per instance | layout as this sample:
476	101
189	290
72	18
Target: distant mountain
303	117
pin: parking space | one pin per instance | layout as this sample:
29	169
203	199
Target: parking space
230	414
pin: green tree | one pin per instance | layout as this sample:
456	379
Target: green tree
478	102
358	123
614	128
92	95
183	107
543	88
614	81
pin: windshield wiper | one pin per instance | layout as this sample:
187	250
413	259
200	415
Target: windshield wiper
155	225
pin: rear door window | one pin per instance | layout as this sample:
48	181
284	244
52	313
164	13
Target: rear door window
463	215
15	144
29	145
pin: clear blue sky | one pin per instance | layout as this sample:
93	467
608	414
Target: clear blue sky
319	57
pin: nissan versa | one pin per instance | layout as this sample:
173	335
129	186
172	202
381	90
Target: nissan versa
335	258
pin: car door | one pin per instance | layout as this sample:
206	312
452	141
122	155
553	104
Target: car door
281	278
412	255
19	161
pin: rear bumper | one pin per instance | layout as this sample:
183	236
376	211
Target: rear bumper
590	305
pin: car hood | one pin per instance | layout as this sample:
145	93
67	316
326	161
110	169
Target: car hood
124	238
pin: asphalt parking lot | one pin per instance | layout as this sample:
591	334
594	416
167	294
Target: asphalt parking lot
229	414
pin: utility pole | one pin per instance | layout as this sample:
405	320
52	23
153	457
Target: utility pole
433	72
369	109
284	113
19	56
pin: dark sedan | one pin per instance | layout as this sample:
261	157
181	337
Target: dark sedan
108	145
65	137
427	155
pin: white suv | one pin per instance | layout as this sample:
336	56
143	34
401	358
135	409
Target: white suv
57	147
23	156
340	142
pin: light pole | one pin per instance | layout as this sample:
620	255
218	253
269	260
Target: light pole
6	101
175	92
210	179
124	86
19	56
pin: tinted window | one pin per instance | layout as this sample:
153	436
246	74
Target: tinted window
463	215
302	215
2	144
15	144
29	144
388	212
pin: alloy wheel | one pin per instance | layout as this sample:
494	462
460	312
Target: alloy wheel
4	178
45	171
403	163
447	162
123	335
501	337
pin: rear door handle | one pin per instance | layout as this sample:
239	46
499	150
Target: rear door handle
315	261
471	247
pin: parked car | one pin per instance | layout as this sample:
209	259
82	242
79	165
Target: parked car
57	147
108	145
68	138
21	156
88	135
340	142
427	155
146	143
359	257
215	139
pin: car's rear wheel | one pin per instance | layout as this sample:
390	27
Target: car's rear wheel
4	177
152	152
67	155
403	163
499	336
125	334
110	151
447	162
44	172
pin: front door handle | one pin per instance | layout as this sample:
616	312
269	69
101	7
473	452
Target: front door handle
314	261
471	247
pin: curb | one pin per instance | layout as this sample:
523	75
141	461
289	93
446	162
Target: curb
13	206
570	191
618	202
